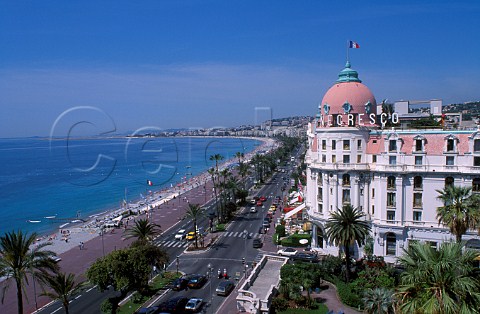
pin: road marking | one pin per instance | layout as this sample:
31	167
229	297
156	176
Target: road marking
91	288
78	296
236	233
251	234
58	309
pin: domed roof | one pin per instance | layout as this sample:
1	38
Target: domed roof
348	95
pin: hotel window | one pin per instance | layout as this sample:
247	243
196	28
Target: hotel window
391	199
418	160
359	144
334	144
324	144
359	159
417	216
450	145
346	159
392	145
373	209
320	194
346	196
418	145
417	183
476	185
450	160
476	161
374	159
417	200
391	244
476	145
390	215
346	144
320	208
449	181
373	193
346	179
324	158
334	159
391	182
392	160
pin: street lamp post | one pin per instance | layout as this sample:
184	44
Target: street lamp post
210	271
245	253
177	264
102	231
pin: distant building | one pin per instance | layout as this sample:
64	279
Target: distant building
391	174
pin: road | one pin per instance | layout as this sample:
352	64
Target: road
226	253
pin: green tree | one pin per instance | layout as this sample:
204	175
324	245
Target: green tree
194	212
378	301
439	281
460	210
19	258
345	227
144	231
63	287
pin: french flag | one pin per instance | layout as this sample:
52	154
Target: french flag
354	45
149	182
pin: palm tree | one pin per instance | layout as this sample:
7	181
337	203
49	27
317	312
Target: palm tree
439	281
378	301
144	231
460	210
345	227
19	257
194	211
216	158
63	287
212	172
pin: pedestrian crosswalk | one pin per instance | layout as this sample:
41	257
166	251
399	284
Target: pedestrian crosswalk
174	243
233	234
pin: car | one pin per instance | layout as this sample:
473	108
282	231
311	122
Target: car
261	229
175	305
263	198
56	258
190	236
224	288
287	252
253	201
180	234
257	243
197	281
304	257
253	209
269	216
266	223
194	305
259	203
148	310
180	283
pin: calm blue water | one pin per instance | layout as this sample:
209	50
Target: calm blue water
40	178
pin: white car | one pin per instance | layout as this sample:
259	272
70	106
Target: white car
287	252
194	305
253	209
181	234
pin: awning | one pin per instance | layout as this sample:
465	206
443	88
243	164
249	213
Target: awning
295	211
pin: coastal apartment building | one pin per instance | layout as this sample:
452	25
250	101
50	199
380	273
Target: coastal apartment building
390	174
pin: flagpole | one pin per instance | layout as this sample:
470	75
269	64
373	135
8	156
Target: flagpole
348	46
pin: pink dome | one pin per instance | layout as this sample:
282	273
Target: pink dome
356	94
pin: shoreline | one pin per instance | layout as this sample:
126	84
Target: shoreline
72	234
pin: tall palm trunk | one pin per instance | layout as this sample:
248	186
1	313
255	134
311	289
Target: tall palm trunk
347	262
19	295
195	229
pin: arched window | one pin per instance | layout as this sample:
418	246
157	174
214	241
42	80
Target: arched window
418	182
346	179
449	181
391	244
391	182
476	185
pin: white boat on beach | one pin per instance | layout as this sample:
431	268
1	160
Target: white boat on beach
50	217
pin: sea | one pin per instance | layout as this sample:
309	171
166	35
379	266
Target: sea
45	182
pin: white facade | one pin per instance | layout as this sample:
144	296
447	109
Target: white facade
391	175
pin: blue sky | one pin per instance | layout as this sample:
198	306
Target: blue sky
211	63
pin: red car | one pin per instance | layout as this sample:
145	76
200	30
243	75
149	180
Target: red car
259	203
263	198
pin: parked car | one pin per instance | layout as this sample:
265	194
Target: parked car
253	209
180	284
224	288
263	198
259	203
180	234
197	281
257	243
175	305
253	201
287	252
269	216
305	257
194	305
266	223
148	310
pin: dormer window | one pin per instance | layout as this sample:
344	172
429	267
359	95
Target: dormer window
392	145
476	146
418	145
451	143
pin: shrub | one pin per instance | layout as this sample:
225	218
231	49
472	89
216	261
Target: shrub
347	296
279	304
109	306
220	227
280	230
294	240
